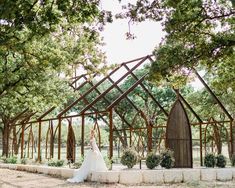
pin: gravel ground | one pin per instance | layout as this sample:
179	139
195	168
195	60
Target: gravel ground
20	179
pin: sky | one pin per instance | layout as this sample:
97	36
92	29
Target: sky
118	49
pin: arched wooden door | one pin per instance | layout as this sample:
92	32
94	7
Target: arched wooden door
178	136
71	143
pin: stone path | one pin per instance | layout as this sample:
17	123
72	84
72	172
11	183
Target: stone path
20	179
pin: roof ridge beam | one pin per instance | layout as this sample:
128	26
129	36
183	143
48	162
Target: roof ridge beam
213	94
111	87
126	92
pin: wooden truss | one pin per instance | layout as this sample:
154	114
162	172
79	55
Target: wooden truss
90	108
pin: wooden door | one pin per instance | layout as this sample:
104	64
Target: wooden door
178	136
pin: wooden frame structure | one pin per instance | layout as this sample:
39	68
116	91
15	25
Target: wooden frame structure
90	108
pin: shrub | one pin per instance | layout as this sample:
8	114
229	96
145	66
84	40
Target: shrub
129	158
167	158
152	160
23	161
4	159
77	164
108	162
209	160
55	163
11	160
220	161
51	163
233	160
59	163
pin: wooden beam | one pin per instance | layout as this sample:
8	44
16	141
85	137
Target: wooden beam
149	93
111	134
18	115
111	87
188	105
213	95
115	102
87	92
46	113
39	140
82	136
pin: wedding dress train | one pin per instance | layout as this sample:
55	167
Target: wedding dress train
92	162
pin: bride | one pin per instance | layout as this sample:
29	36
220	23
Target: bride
92	162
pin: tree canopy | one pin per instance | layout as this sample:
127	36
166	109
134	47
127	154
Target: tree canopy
199	33
40	43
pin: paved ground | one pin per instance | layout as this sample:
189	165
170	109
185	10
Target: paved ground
19	179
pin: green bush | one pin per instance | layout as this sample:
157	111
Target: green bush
23	161
59	163
167	159
11	160
129	158
55	163
152	160
209	160
233	160
76	165
4	159
108	162
220	161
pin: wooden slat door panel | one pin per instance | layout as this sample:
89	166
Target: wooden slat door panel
178	136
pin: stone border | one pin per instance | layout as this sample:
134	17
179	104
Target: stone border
52	171
135	177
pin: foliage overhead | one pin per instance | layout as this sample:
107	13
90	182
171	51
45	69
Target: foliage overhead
198	33
41	41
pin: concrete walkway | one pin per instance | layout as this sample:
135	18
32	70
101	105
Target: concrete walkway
21	179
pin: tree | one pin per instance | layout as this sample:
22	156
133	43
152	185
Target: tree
40	43
198	33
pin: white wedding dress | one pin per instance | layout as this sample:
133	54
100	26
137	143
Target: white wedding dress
92	162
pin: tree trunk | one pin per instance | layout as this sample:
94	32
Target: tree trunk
125	143
5	140
217	138
15	145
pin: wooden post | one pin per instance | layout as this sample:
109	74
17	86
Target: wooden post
149	133
111	134
59	138
231	136
39	140
130	136
22	142
82	132
212	147
200	129
52	139
205	129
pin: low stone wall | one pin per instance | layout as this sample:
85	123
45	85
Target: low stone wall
133	177
164	176
52	171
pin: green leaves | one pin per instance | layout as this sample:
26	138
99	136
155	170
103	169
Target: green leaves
198	33
39	42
